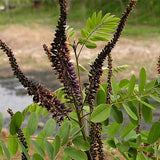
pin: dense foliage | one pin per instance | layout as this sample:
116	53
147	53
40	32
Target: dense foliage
91	116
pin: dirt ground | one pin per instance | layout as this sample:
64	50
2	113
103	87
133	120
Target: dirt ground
26	43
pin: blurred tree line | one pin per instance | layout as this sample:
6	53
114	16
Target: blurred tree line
144	10
91	4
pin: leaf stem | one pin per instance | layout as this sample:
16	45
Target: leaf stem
77	64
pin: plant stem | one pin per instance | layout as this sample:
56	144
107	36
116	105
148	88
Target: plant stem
81	123
77	64
140	116
79	111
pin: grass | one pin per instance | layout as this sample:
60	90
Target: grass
143	22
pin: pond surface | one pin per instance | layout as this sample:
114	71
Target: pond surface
13	95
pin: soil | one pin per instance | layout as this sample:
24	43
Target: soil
26	43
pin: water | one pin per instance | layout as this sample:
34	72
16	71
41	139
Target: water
13	95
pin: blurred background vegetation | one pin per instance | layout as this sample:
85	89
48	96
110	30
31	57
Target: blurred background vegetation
146	16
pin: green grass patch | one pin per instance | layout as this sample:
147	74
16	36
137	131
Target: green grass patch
141	31
143	22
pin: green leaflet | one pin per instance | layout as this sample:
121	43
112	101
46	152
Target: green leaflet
156	98
57	145
1	151
33	123
114	128
81	143
5	150
101	96
154	133
64	132
12	145
84	33
37	157
123	83
147	112
141	156
44	112
49	148
75	153
131	85
147	104
111	142
135	111
101	113
91	45
123	146
33	107
24	150
127	129
82	68
150	85
114	87
40	139
130	112
38	148
16	123
39	110
49	128
117	114
142	80
26	134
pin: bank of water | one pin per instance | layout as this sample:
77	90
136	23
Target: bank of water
13	95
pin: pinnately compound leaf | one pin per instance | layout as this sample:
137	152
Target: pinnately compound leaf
101	113
98	28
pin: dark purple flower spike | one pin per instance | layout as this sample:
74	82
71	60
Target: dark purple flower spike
59	56
40	94
96	67
94	81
